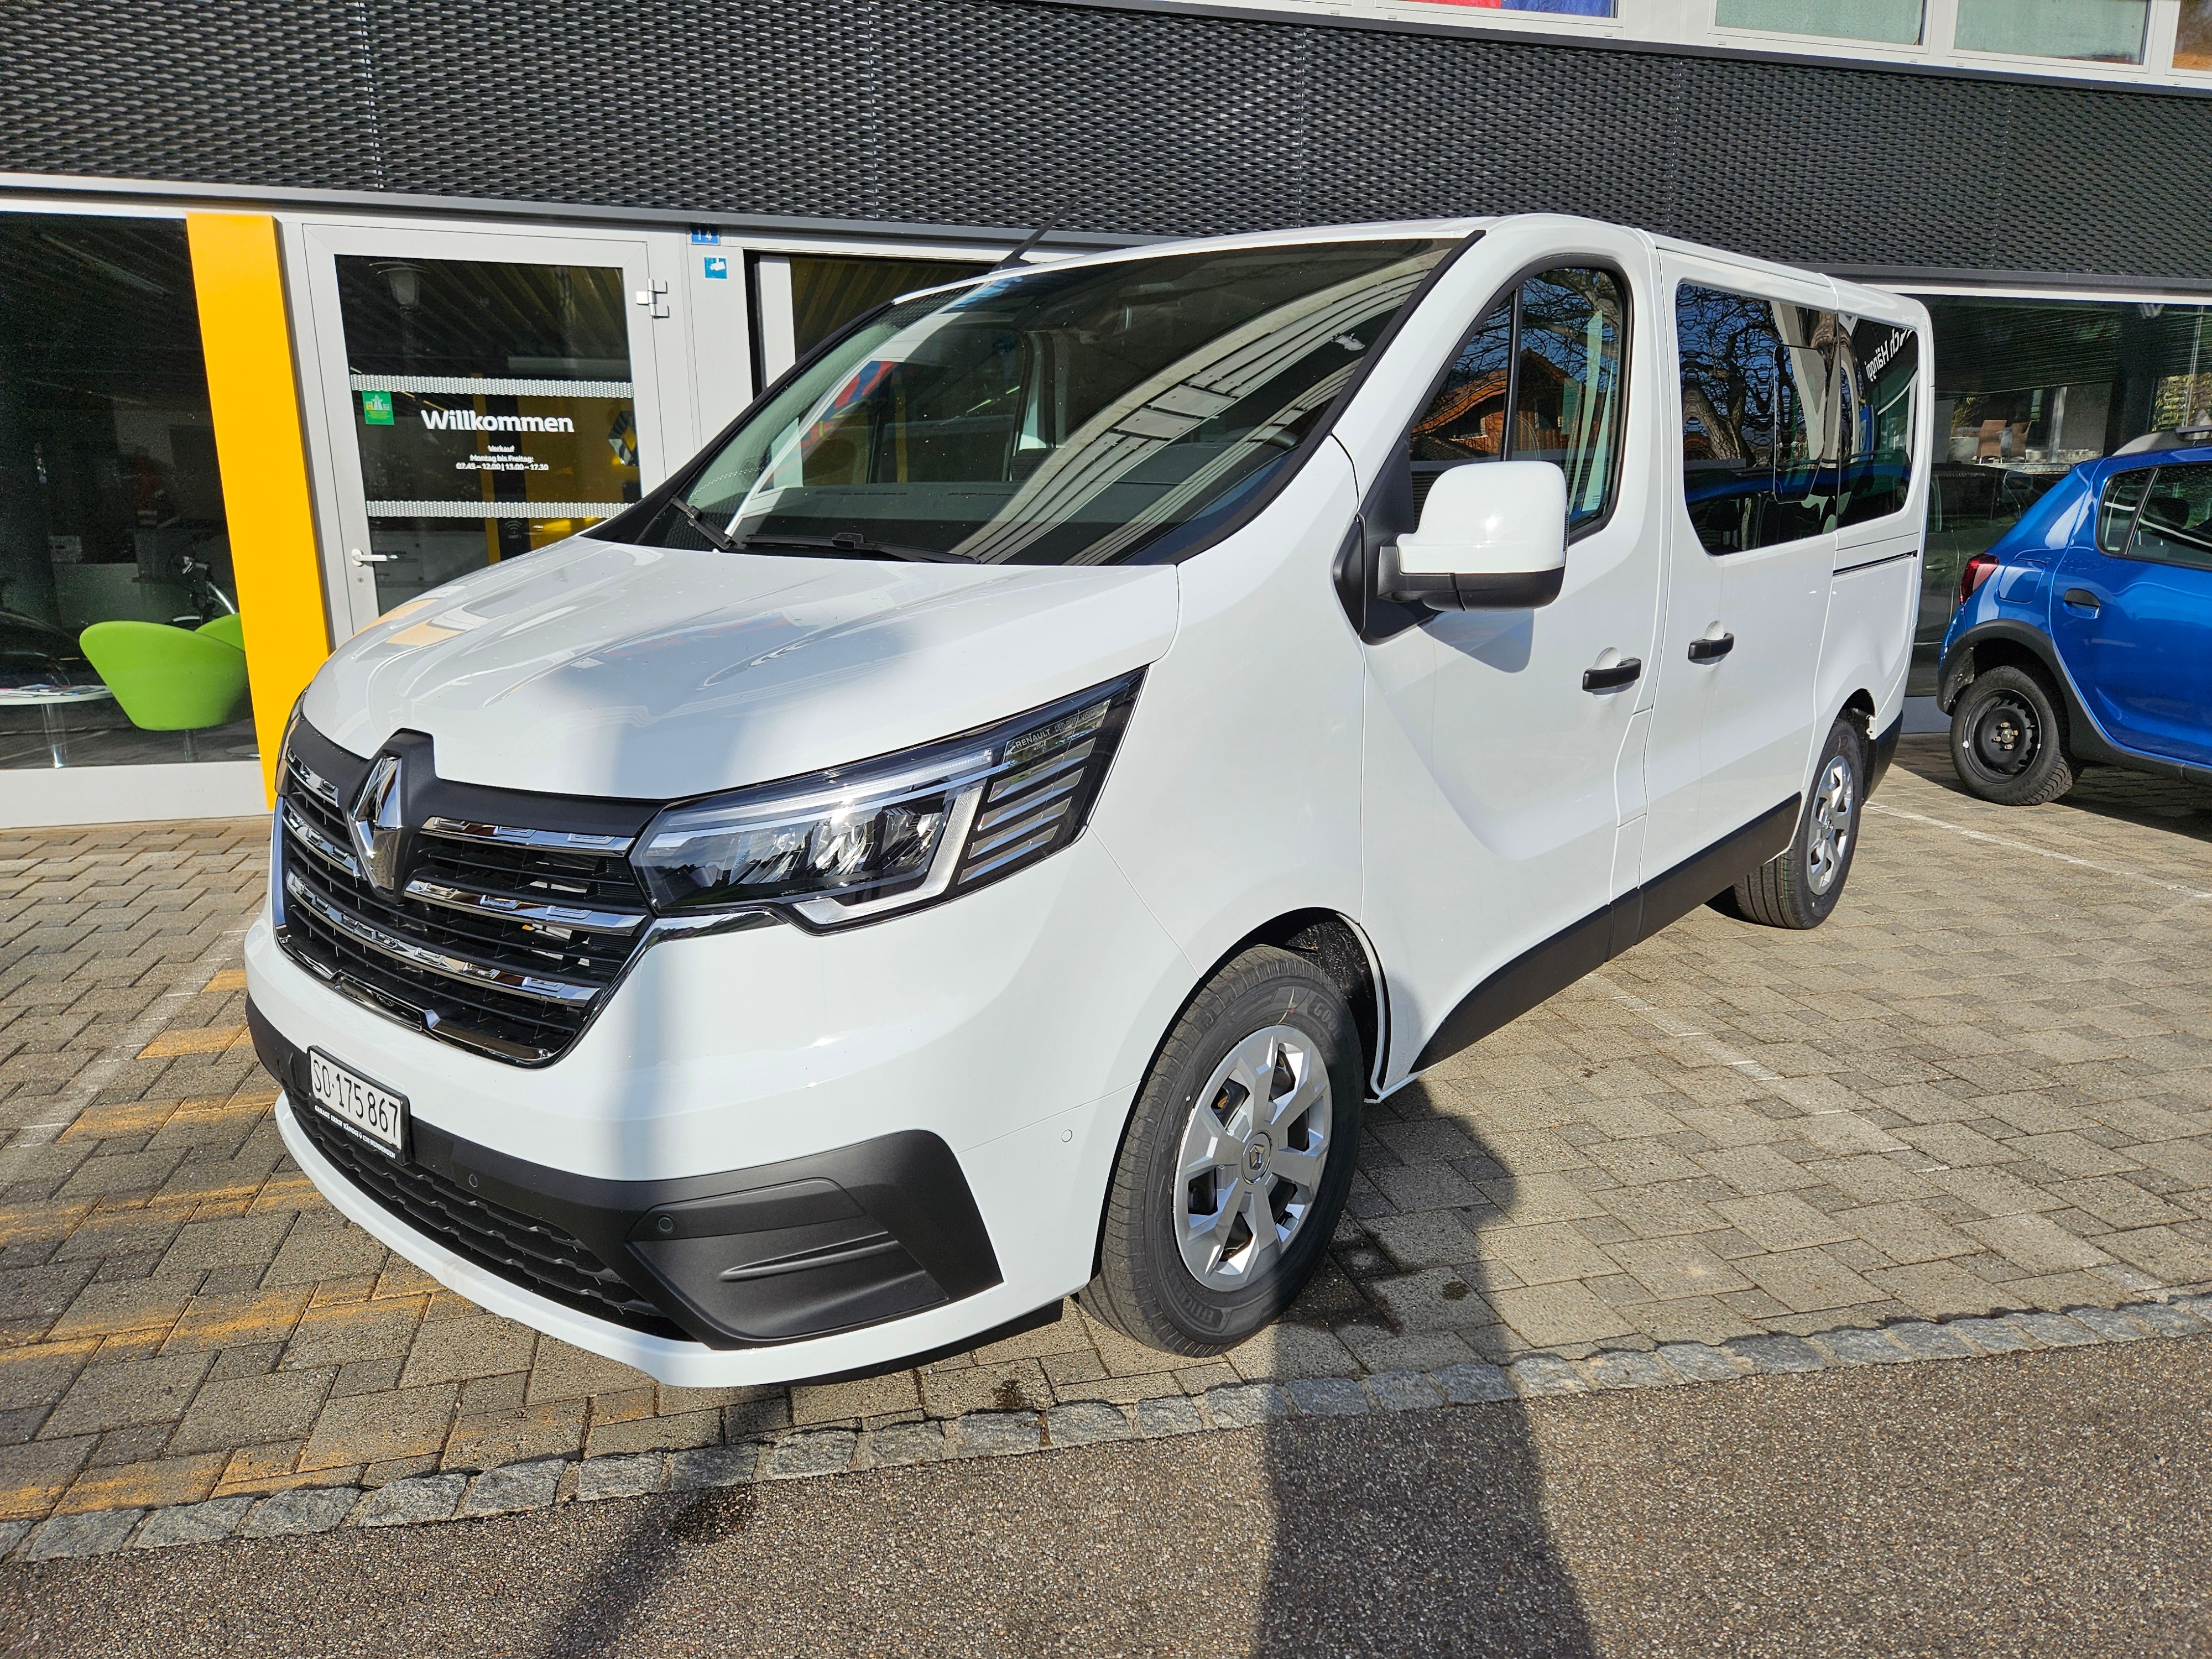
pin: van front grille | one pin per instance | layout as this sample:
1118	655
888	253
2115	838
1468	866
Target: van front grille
498	934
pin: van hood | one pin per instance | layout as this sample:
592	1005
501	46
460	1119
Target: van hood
596	668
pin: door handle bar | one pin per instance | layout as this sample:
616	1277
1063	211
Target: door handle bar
1711	650
2082	600
1623	672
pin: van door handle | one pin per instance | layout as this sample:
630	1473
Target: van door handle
2082	600
1711	650
1623	672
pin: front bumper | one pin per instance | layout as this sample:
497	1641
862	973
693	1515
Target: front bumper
848	1238
987	1049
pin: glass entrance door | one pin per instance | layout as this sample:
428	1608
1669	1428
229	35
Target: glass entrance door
486	394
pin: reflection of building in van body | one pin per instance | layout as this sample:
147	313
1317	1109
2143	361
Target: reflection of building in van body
498	310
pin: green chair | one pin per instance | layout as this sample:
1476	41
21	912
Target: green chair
171	679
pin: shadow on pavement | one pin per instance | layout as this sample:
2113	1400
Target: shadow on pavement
1377	1532
2105	791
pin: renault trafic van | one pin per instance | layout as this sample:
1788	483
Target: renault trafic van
980	831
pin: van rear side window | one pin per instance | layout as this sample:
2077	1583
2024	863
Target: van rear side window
1794	419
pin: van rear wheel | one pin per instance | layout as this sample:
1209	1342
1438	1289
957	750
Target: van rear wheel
1236	1162
1799	887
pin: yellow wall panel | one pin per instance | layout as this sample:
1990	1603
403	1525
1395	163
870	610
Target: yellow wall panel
245	333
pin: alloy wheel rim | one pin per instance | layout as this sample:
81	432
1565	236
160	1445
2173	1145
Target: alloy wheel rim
2005	737
1833	803
1250	1161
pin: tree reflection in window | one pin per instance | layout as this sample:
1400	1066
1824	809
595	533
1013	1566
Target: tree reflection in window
1538	378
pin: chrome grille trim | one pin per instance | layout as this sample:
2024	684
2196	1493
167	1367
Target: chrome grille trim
554	841
313	782
474	901
320	844
438	962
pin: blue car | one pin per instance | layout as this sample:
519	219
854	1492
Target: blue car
2083	635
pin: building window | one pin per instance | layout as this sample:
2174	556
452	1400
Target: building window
1570	8
2192	44
2104	31
1895	22
2026	390
119	640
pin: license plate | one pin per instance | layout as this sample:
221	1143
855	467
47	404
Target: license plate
375	1116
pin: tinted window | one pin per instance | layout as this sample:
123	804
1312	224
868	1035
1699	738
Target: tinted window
2116	514
2175	524
1794	419
1878	377
1537	379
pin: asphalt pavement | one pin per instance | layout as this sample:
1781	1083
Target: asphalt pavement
2050	1503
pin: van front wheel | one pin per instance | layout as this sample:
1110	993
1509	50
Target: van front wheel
1799	886
1236	1162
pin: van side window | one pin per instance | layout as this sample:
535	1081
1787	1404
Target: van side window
1878	372
2116	512
1537	379
1764	418
2175	525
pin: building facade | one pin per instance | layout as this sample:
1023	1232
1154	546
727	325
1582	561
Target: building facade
304	309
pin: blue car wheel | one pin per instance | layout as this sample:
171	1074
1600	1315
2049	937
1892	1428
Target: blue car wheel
2008	739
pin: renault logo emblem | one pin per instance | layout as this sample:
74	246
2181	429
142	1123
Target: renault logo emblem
376	826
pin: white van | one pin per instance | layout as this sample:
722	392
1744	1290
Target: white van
980	831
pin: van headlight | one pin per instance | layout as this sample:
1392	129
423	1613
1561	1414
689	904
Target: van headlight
860	841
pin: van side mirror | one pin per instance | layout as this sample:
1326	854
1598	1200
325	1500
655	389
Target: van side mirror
1493	536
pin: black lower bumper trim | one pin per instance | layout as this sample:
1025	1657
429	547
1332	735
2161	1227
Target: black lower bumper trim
807	1247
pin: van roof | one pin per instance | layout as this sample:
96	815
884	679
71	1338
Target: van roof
1877	299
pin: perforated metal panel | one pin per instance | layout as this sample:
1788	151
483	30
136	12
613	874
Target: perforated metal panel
1002	112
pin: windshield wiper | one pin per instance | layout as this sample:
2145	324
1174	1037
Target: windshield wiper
705	526
848	542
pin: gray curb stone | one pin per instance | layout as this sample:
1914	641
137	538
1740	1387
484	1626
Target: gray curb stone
1087	1422
1403	1391
908	1442
1926	1341
192	1523
421	1497
514	1486
1857	1347
1545	1373
2168	1321
2109	1323
707	1467
1774	1356
2052	1330
1696	1362
632	1474
813	1451
1627	1369
986	1434
1328	1396
1246	1405
64	1535
304	1508
1173	1415
542	1483
1475	1384
1993	1336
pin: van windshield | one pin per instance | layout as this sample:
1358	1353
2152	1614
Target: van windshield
1104	414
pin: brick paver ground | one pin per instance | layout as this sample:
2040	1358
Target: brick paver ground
1986	1085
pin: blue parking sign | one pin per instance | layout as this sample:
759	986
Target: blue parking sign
718	265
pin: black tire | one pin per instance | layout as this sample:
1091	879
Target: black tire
1799	887
1145	1288
2008	739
